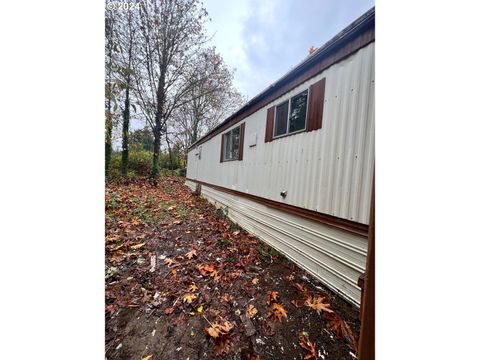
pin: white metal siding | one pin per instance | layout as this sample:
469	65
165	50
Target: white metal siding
335	257
328	170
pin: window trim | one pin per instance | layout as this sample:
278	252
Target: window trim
224	144
288	116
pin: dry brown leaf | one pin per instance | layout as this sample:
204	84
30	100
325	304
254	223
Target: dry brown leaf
170	262
341	329
177	222
290	277
278	311
272	297
316	302
251	311
227	297
255	281
309	346
138	246
189	298
236	232
192	288
191	254
149	357
169	310
300	288
216	329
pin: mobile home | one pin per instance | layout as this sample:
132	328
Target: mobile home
295	165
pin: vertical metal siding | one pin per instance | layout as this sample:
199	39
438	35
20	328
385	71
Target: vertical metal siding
335	257
328	170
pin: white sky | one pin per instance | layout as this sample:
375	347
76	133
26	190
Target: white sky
264	39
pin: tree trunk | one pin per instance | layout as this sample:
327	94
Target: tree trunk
157	131
108	142
126	125
156	152
169	153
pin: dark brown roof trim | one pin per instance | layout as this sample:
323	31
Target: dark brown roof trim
355	36
350	226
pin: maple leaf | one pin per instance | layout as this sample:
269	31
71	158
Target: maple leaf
192	288
216	329
191	254
341	329
189	298
278	311
272	297
300	288
316	302
170	262
309	346
251	311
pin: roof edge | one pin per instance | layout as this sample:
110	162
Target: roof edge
351	31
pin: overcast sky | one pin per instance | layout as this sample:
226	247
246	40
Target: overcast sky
263	39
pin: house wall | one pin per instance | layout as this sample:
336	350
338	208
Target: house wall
327	170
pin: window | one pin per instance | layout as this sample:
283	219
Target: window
303	112
290	116
231	144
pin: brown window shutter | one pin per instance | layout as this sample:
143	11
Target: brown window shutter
270	120
242	140
316	100
221	149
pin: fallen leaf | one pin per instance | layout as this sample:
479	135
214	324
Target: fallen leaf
191	254
299	287
341	329
192	288
290	277
200	309
251	311
169	310
177	222
170	262
138	246
149	357
236	232
278	311
272	297
309	347
316	302
255	281
216	329
189	298
227	297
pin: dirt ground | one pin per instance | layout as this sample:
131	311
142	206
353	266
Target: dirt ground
183	282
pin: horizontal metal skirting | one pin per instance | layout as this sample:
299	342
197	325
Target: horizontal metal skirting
336	257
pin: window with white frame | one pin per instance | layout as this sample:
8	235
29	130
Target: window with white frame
290	116
231	144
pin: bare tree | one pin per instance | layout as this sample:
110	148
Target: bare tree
212	95
125	33
171	33
111	91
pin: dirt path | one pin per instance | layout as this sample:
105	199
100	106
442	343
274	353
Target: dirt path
183	282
